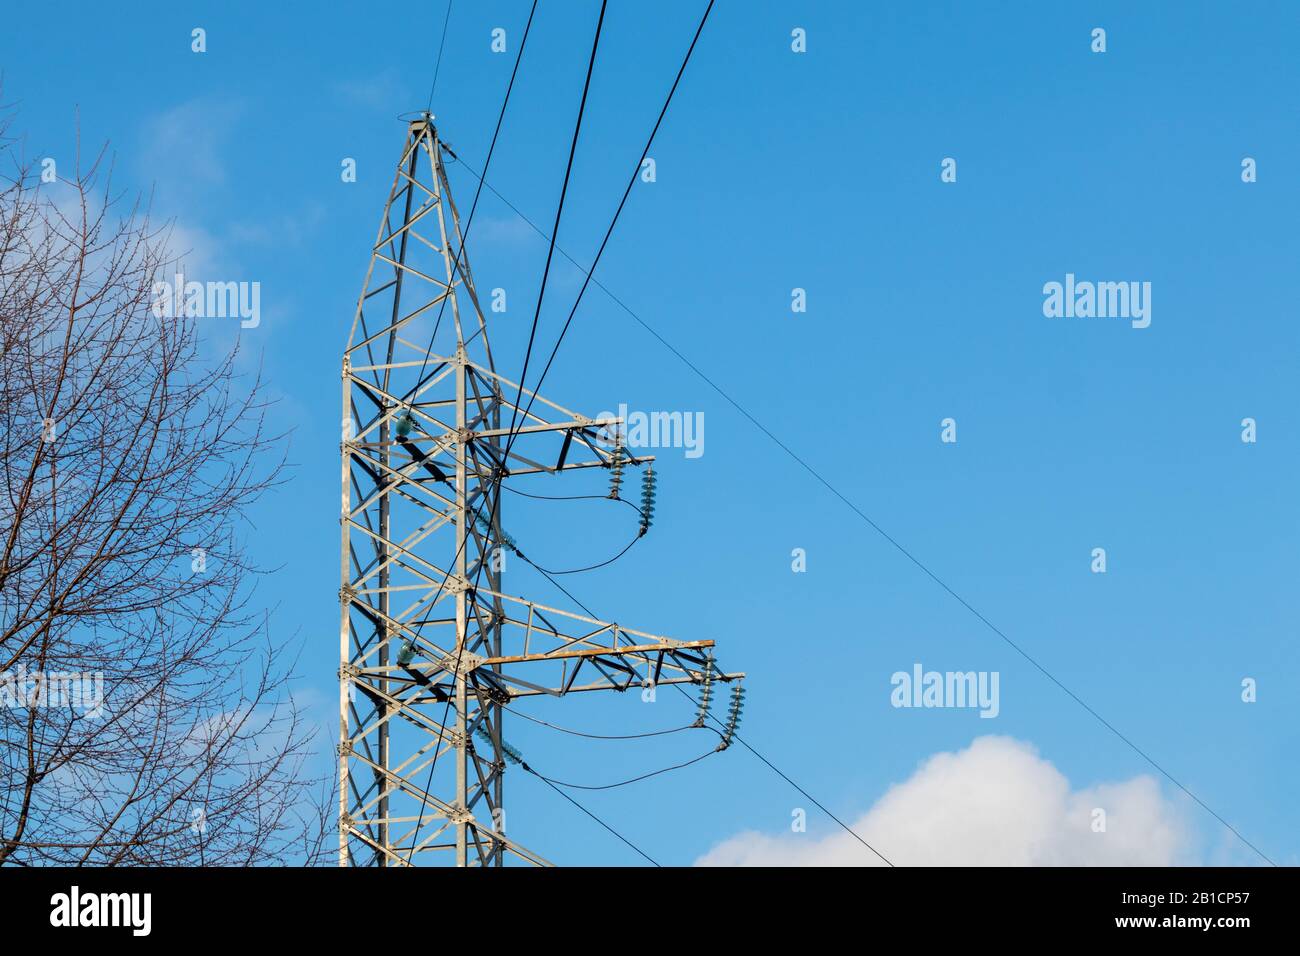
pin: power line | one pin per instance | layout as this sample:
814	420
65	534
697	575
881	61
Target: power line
516	491
780	773
589	272
699	373
478	190
438	64
555	231
589	278
496	498
642	852
512	433
581	733
624	783
748	746
590	567
621	203
603	564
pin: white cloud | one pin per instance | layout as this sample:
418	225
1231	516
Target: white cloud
191	250
378	92
185	147
183	152
996	803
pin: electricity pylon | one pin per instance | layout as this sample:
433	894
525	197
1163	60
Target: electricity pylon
426	629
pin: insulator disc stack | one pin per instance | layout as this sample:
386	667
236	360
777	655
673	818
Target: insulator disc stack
511	754
647	498
734	711
506	540
706	696
617	460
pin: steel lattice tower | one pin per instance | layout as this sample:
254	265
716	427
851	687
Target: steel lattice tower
426	629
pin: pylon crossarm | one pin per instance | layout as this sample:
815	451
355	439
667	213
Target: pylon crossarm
599	642
642	652
521	688
579	429
583	427
582	424
534	607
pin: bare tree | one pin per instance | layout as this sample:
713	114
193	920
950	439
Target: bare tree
145	715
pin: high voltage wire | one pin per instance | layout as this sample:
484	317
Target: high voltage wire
438	63
595	567
591	64
624	783
469	224
496	498
748	746
512	432
642	852
516	491
699	373
555	232
591	567
589	279
780	773
583	733
537	387
478	191
619	211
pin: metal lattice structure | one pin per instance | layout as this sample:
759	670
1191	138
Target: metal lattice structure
426	628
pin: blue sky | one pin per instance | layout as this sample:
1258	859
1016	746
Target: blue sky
819	170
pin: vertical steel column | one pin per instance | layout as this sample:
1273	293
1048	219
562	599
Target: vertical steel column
462	631
345	603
